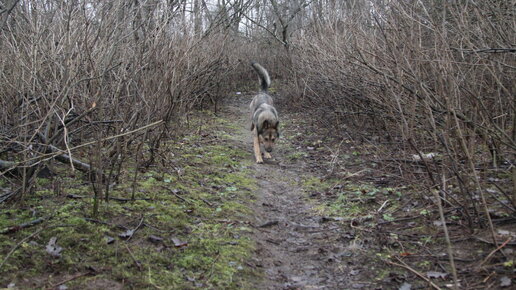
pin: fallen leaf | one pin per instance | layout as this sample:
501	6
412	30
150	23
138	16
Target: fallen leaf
109	240
405	254
52	248
438	223
178	243
505	281
434	274
348	236
504	232
508	251
405	286
354	272
155	239
127	234
344	254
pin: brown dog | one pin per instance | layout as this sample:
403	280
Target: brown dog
264	117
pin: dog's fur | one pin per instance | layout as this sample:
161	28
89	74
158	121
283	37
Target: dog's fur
264	117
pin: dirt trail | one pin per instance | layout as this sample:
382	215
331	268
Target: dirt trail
295	248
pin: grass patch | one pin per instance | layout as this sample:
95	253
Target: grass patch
352	200
192	229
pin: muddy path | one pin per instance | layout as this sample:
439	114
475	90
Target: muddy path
296	248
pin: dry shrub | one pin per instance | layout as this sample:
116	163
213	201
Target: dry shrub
73	72
434	76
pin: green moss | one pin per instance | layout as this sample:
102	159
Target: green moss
42	193
314	184
201	200
297	155
42	181
78	190
350	199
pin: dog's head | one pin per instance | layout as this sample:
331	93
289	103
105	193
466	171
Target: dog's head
268	134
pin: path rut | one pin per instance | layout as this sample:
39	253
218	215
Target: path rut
295	248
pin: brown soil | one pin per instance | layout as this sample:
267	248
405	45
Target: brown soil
394	234
296	248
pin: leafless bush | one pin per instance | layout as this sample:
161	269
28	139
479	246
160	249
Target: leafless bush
438	77
91	82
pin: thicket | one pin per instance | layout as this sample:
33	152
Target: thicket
96	83
433	80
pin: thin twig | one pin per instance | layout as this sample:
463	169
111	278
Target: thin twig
137	227
69	123
381	207
134	259
175	194
493	252
19	244
58	152
512	209
447	235
404	265
206	202
488	50
71	278
121	199
513	201
22	226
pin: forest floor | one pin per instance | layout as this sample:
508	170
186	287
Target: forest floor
297	245
319	215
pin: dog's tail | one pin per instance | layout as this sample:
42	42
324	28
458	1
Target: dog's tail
265	80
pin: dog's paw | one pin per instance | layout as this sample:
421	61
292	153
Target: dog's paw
267	155
259	161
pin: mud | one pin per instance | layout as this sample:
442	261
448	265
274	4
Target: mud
296	249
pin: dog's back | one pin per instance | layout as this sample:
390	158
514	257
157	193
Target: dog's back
262	97
259	99
264	117
262	105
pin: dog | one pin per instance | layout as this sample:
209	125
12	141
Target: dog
264	117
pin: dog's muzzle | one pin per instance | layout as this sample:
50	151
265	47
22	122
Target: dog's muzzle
268	150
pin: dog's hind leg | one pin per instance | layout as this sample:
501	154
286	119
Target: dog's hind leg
256	145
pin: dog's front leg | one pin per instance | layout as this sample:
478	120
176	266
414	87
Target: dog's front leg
256	145
267	155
